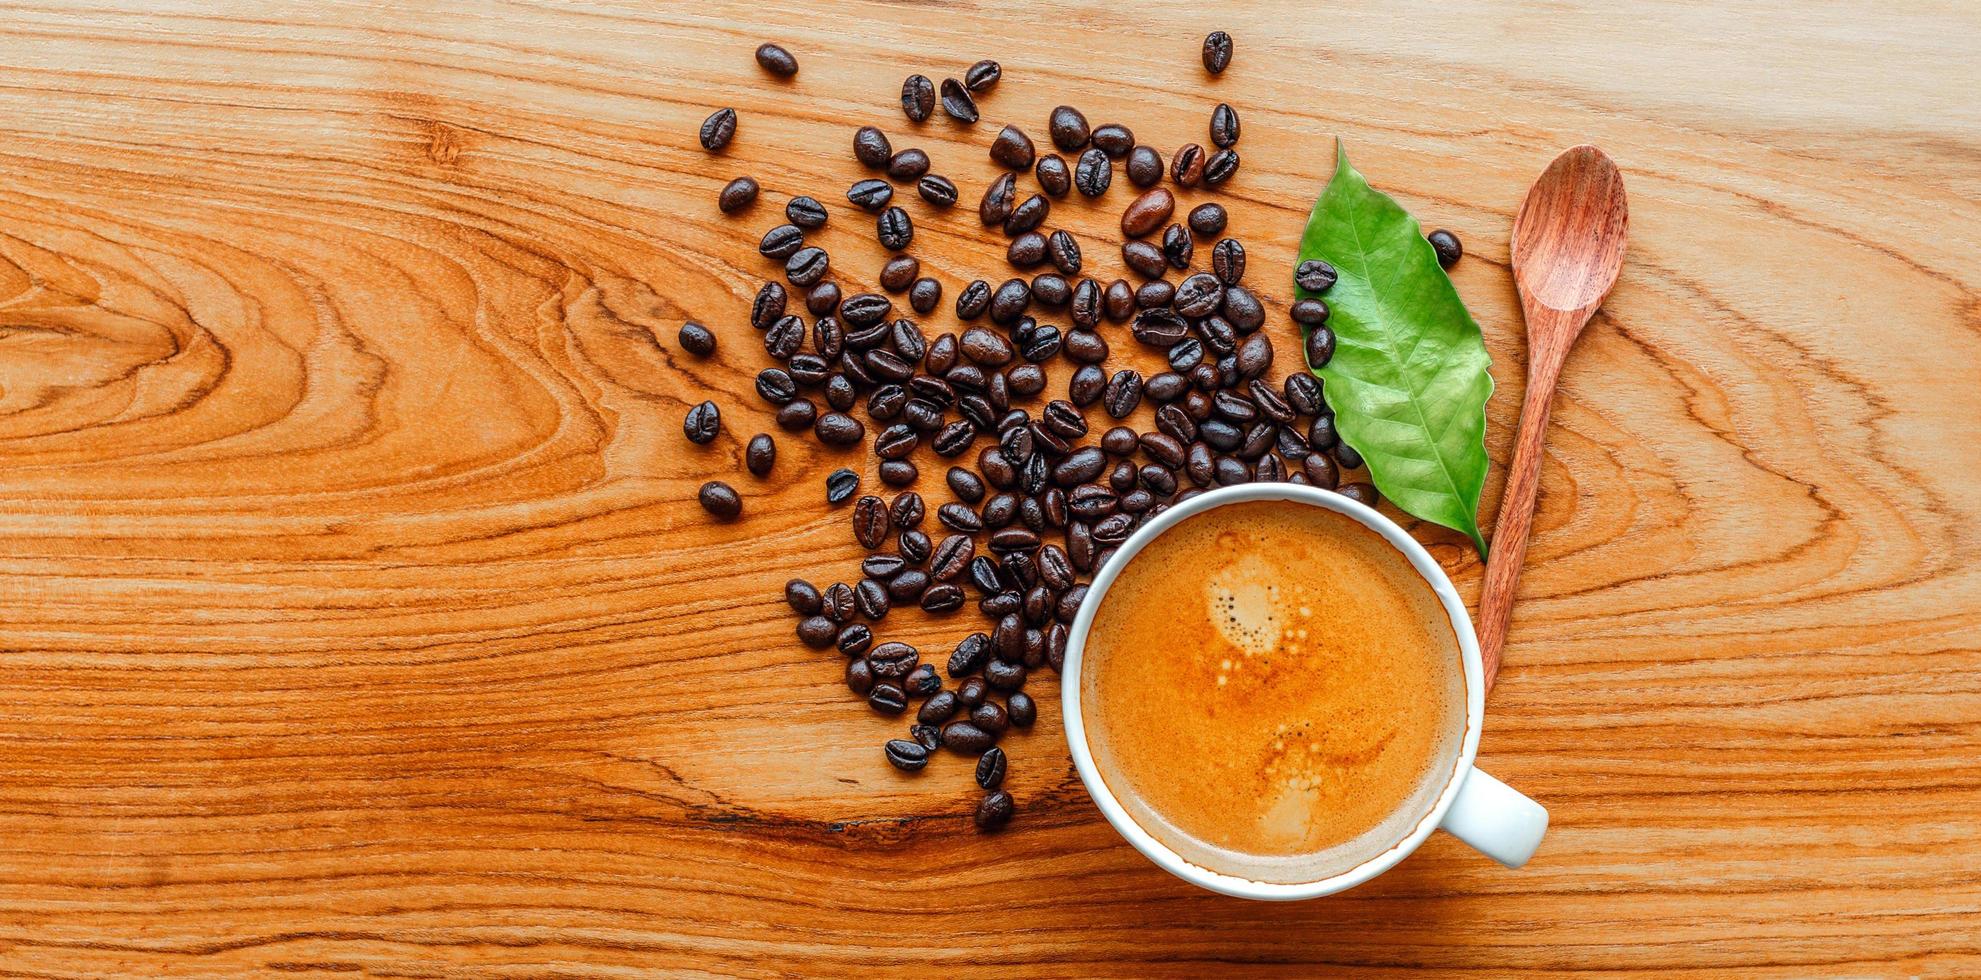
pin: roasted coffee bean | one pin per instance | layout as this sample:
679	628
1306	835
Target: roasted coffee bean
999	200
1308	312
1064	251
1228	261
776	60
917	98
1144	166
982	76
1219	335
1243	309
1154	294
886	364
894	229
802	596
1217	52
1314	275
1092	501
1012	149
1069	606
854	639
1449	251
994	811
1051	289
957	103
973	300
867	309
870	195
970	655
805	212
736	195
871	147
1114	139
696	339
1199	464
1362	493
1255	356
1234	407
841	603
1205	378
958	517
1040	344
926	736
871	600
1053	175
952	557
1187	168
1321	436
986	347
887	698
1159	328
839	429
983	576
923	415
1118	302
817	632
908	586
896	274
972	691
940	707
909	164
871	523
1068	128
718	129
1289	443
1346	455
1157	479
1028	215
1320	470
1025	380
1027	250
1177	424
841	485
1080	466
937	190
1120	440
1258	440
720	500
953	439
965	484
965	738
780	243
785	338
1165	387
1224	125
1010	300
907	340
1092	173
1114	529
942	354
760	455
1062	419
1000	510
1222	436
1220	167
1268	401
806	266
1011	539
1231	471
860	677
999	471
1207	219
991	768
1005	675
1084	306
1019	707
1268	469
991	717
1085	347
1164	448
1147	212
822	300
702	423
1032	476
1199	295
1087	385
905	755
914	546
1137	502
1144	259
1124	392
1177	247
886	402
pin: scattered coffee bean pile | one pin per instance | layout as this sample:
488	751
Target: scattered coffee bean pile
1041	498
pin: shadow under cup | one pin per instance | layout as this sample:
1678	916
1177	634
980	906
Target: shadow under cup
1440	695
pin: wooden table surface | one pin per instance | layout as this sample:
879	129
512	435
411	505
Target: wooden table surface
356	614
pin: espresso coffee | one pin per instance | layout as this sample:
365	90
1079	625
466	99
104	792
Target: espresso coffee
1272	692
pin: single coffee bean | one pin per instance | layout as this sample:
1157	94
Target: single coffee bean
959	517
1050	289
887	698
839	429
1061	419
991	768
914	546
994	811
1012	149
696	339
1027	250
1020	707
1004	675
1222	435
867	309
870	195
1053	175
1165	387
760	455
871	523
841	603
1217	52
1320	470
1200	465
972	692
896	442
1346	455
1154	294
1084	347
1144	259
784	339
983	576
982	76
1268	401
1164	448
1449	251
1010	301
1228	261
1086	385
926	736
895	275
953	439
909	164
841	485
1224	125
1084	306
1268	470
924	295
1124	392
957	103
871	600
1219	335
817	632
822	300
776	60
997	470
1080	466
905	755
1144	166
702	423
1291	445
1316	275
1204	378
1159	328
1207	219
854	639
940	707
970	655
1064	251
859	677
999	200
917	98
1068	128
780	242
1186	354
965	484
1118	302
736	195
1362	493
1199	295
1231	471
1092	173
806	266
908	586
1147	212
802	597
1114	139
1000	510
1178	248
1025	380
1258	440
718	129
1243	309
973	300
894	229
937	190
1309	312
1220	167
720	500
1303	394
986	347
1029	214
1187	167
965	738
871	147
1321	435
991	717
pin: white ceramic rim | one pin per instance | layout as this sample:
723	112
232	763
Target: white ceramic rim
1154	850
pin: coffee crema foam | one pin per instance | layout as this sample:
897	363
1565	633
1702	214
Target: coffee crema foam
1272	692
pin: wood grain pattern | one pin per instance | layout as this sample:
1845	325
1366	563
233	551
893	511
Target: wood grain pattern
356	615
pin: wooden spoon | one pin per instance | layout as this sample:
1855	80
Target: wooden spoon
1567	250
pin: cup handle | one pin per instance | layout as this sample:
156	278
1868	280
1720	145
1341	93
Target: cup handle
1496	819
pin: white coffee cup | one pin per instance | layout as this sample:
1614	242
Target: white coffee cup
1472	806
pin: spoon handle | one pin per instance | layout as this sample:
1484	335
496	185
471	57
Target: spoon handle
1523	479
